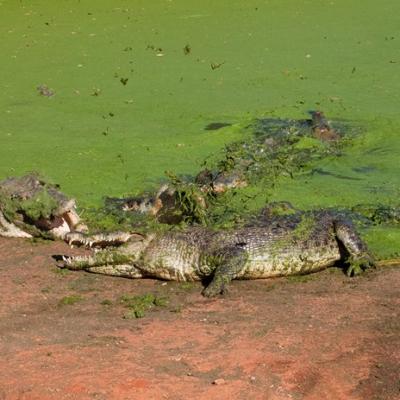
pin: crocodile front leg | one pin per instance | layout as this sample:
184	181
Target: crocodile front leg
360	259
231	262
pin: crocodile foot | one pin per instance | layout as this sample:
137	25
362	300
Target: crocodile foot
213	290
359	265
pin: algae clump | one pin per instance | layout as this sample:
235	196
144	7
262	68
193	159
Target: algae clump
139	305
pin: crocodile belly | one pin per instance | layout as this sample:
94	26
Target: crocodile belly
171	260
290	262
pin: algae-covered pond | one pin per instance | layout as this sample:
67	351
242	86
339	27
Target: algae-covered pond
132	85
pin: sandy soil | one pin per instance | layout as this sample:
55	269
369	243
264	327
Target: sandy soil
322	337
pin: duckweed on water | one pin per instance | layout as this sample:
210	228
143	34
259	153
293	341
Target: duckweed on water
97	136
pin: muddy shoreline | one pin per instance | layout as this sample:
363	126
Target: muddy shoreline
322	336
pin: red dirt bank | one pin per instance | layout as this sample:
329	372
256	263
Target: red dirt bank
326	337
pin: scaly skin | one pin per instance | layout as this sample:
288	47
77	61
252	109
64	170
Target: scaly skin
277	246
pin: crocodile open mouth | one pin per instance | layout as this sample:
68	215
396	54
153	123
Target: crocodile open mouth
70	222
62	229
61	224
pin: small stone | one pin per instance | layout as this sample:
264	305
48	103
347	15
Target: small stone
219	381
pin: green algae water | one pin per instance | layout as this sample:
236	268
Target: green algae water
136	82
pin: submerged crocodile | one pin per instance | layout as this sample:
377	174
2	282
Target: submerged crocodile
273	149
31	207
275	246
277	147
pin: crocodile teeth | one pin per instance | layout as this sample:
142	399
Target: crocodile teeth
67	260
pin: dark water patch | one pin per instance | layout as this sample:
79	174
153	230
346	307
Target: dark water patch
214	126
378	151
321	171
380	189
364	169
281	127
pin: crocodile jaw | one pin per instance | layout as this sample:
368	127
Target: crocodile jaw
61	230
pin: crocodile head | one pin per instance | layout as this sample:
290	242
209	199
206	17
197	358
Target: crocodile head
225	181
32	207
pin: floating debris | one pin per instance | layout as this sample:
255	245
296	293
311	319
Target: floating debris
44	90
216	65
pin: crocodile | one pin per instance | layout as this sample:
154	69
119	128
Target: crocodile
276	245
274	149
277	147
321	128
30	207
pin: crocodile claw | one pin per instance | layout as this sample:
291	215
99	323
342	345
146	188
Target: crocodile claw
210	292
214	290
359	265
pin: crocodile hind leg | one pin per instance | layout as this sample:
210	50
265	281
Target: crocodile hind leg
359	259
232	261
